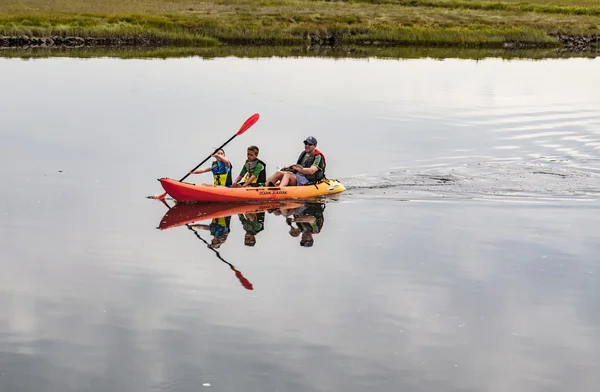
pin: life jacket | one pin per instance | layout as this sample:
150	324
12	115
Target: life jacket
319	174
262	176
221	179
219	227
316	210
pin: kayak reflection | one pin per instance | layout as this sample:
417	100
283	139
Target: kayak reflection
304	221
182	213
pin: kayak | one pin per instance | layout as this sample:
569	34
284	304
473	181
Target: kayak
184	214
182	191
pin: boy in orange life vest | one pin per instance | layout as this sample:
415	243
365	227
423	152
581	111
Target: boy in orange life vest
254	170
309	168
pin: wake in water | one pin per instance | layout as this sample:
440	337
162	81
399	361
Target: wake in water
498	180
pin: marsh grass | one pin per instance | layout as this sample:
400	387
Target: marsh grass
568	7
297	22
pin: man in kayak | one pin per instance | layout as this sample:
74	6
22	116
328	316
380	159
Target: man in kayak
254	170
221	169
309	168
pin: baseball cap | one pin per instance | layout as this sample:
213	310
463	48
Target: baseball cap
307	243
311	140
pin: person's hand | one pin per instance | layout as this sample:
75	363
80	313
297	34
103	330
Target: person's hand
235	185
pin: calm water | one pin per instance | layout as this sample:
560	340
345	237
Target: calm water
463	257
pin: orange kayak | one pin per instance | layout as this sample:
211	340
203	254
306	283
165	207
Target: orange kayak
182	191
182	214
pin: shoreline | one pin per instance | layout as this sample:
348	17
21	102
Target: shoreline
304	51
564	43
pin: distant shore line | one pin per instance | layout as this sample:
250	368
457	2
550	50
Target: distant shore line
564	42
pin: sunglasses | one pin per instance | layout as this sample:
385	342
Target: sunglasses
308	144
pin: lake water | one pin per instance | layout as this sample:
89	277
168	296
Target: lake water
462	257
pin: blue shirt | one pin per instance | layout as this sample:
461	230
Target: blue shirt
220	168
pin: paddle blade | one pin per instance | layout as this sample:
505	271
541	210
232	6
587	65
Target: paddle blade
245	282
158	197
249	122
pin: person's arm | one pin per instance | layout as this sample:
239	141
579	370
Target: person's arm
255	173
249	181
309	170
306	219
201	226
235	184
222	159
305	170
200	171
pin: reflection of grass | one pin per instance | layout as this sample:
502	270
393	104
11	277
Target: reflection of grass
286	51
292	22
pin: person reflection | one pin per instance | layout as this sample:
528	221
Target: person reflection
219	228
304	221
253	223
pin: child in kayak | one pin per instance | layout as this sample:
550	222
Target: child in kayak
221	169
253	172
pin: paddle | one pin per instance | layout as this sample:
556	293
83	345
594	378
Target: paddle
245	282
245	126
247	285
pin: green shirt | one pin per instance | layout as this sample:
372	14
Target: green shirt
251	226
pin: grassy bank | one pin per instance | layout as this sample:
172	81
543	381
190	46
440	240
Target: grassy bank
460	23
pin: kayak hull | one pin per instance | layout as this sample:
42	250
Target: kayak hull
185	192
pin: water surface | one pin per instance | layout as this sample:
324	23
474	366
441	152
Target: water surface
463	255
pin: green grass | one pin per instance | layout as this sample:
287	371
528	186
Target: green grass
459	23
583	7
